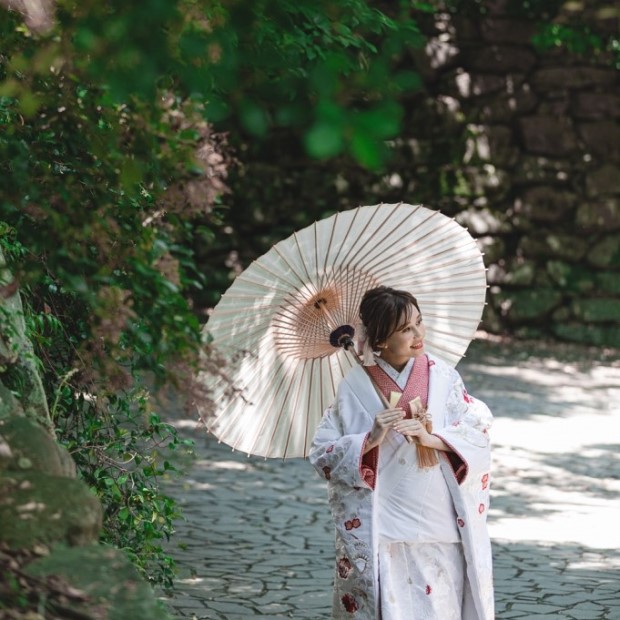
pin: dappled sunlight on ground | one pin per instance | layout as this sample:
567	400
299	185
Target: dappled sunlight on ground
258	540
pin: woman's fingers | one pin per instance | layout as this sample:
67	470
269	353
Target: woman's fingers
390	416
384	421
409	427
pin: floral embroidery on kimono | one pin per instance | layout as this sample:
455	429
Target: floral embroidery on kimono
337	454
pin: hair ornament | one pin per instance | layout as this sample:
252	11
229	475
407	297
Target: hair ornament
364	349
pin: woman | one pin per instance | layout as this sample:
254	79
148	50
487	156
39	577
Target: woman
411	540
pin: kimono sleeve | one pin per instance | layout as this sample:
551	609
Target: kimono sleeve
339	457
467	422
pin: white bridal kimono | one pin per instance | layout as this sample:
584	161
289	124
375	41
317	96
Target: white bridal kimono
374	571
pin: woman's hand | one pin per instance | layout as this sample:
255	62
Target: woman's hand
417	430
384	421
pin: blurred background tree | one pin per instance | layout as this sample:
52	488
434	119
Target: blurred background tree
119	125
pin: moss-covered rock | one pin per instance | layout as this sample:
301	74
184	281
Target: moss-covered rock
520	273
33	448
9	406
17	354
111	585
6	456
531	304
602	215
546	204
609	281
562	246
597	310
606	253
571	277
600	335
604	181
37	508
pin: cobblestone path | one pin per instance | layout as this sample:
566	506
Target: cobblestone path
257	540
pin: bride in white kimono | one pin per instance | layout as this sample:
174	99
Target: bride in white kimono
411	540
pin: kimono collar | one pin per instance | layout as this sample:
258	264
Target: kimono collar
416	382
400	378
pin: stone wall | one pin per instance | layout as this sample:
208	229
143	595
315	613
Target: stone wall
534	163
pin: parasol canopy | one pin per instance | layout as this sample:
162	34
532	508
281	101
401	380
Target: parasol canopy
273	325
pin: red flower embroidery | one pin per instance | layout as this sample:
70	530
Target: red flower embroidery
457	423
353	523
431	363
467	398
428	589
350	604
481	508
330	449
460	522
485	481
328	472
344	568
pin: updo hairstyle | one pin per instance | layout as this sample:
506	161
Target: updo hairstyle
383	311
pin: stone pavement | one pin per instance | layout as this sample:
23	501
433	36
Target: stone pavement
257	540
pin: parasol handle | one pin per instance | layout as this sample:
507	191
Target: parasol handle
348	345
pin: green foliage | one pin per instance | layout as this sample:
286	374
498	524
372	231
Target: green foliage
122	451
327	68
105	292
120	444
111	178
14	595
578	39
584	29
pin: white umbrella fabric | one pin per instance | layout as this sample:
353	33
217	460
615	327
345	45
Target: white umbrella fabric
274	323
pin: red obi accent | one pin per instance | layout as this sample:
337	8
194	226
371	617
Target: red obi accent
368	465
460	522
417	384
458	466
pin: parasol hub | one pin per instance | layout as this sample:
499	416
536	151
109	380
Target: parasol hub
342	337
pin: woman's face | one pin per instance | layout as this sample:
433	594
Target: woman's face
406	342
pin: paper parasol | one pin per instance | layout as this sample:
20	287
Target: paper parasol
274	323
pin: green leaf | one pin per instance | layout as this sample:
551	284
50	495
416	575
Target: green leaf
367	151
253	118
324	140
